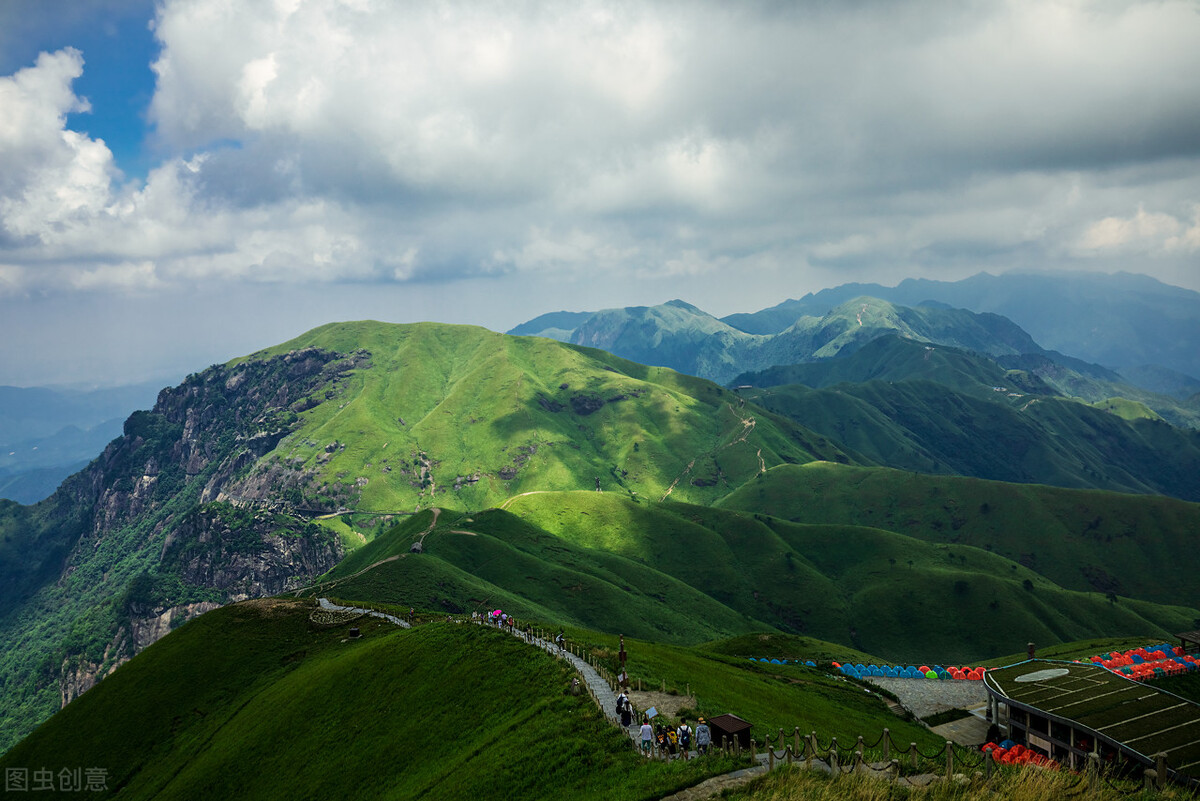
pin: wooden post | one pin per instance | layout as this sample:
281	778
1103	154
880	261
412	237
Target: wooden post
949	759
753	753
1150	779
859	747
810	750
796	738
887	751
1160	765
833	758
912	750
770	755
725	744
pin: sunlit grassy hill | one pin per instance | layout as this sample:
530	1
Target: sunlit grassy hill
1084	540
682	573
469	417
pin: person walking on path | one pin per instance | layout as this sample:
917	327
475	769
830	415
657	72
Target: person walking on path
703	737
647	736
624	710
685	738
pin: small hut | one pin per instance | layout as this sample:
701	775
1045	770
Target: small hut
416	548
729	726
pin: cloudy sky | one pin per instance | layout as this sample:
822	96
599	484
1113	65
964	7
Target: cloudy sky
185	181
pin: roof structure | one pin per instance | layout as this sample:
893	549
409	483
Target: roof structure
1191	638
1140	720
729	723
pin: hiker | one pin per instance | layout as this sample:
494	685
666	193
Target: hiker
672	741
560	641
647	736
703	737
685	738
624	710
412	614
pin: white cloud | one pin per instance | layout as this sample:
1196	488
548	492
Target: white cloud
49	176
1154	233
332	140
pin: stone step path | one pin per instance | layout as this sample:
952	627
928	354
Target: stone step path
325	604
604	695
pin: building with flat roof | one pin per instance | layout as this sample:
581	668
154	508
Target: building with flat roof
1069	710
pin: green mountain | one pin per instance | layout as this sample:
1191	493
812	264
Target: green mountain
208	497
680	336
683	573
1121	320
1082	540
322	460
940	410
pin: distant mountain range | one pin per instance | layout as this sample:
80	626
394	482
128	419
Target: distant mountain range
932	409
682	337
47	434
1123	321
1133	324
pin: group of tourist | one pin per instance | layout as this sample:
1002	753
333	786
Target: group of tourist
674	741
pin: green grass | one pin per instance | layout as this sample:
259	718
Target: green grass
688	574
441	404
1127	409
252	701
1083	540
901	404
768	696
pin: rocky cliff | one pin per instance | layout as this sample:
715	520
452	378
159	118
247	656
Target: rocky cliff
133	544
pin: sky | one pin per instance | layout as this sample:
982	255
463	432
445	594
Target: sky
186	181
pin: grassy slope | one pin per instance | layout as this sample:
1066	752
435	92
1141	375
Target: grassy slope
1084	540
252	702
769	696
682	573
477	402
503	562
939	410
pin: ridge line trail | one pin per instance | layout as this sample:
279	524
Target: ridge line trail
421	539
748	425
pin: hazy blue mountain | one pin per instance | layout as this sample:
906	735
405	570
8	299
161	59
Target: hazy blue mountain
554	325
1162	380
46	434
31	470
680	336
1120	320
30	413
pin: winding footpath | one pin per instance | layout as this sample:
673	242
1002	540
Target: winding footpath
331	607
607	700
